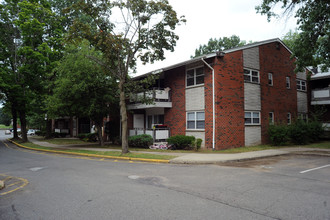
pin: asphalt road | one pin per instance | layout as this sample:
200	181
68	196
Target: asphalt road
51	186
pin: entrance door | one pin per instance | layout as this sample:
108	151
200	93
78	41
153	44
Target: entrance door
138	121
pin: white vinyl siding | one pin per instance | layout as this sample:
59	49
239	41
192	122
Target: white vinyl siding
252	97
195	99
252	135
251	58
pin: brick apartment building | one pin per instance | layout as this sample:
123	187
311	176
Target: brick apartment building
228	98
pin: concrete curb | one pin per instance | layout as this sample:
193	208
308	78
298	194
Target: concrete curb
2	185
93	155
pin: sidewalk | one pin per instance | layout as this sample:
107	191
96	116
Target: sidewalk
204	158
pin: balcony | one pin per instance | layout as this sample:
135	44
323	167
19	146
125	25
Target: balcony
161	99
321	96
158	134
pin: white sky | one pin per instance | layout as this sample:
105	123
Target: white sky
218	18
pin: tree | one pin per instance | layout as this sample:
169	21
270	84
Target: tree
30	41
82	88
5	118
126	31
219	44
290	39
313	46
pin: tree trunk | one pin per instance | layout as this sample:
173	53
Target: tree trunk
22	117
14	114
48	134
99	133
123	114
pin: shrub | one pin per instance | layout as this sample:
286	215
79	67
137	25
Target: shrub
278	134
197	144
41	133
140	141
181	141
299	132
88	137
315	130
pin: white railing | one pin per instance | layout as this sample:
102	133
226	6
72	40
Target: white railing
62	131
156	134
321	93
157	94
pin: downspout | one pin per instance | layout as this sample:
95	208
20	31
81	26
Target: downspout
213	104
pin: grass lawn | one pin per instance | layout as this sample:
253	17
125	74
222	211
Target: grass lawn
4	126
64	141
107	153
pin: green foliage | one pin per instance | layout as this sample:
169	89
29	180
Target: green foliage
197	143
181	141
278	134
299	132
88	137
144	31
315	130
41	133
218	45
5	118
313	43
140	141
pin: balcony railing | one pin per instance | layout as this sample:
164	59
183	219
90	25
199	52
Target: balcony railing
158	134
321	96
160	97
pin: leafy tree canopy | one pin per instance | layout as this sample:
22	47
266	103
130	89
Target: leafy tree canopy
125	31
82	88
313	44
219	44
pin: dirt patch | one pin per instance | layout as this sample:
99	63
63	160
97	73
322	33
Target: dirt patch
256	162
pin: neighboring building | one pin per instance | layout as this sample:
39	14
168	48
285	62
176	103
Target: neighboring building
71	126
252	86
320	96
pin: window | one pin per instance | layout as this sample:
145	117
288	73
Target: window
195	120
251	76
289	118
252	118
301	85
271	117
195	76
288	82
270	79
155	119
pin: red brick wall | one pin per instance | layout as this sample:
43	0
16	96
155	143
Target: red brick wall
175	117
229	91
276	98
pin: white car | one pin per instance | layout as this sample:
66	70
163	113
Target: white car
8	132
31	132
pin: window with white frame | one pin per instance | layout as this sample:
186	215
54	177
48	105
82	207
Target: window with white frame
195	76
270	79
289	118
251	76
287	79
252	118
195	120
301	85
271	118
